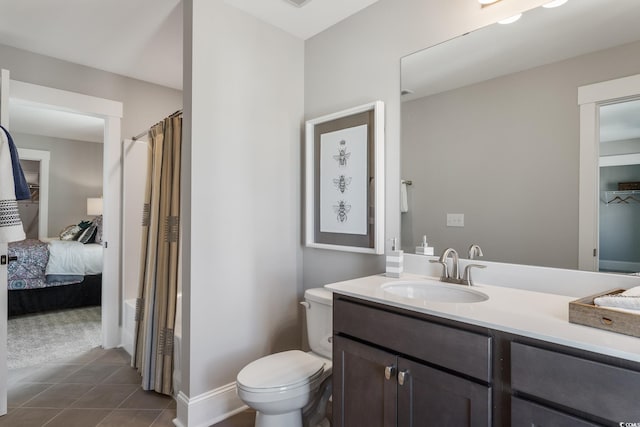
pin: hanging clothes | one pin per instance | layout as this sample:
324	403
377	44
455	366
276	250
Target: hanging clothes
19	181
11	229
157	293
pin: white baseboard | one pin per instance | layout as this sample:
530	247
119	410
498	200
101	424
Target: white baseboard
208	408
626	266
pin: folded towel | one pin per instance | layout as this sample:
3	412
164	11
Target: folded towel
404	201
10	223
633	292
629	300
19	181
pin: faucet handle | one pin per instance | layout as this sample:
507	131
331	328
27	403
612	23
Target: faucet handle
466	278
445	268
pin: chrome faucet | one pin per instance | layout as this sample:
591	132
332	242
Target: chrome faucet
454	277
446	277
475	251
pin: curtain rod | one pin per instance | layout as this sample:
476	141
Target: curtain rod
144	133
140	135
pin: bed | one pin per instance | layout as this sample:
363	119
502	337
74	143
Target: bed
53	275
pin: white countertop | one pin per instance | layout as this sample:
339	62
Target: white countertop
532	314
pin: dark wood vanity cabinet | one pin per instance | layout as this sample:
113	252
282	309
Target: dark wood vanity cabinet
395	370
394	367
555	388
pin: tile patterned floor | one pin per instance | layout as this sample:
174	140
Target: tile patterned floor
98	388
95	389
243	419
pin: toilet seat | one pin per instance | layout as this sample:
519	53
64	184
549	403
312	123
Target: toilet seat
281	372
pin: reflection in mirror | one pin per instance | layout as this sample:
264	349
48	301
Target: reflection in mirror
619	213
491	130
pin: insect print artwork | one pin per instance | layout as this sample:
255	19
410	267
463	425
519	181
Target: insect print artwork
342	155
341	209
342	183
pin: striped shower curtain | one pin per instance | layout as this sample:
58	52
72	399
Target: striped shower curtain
156	303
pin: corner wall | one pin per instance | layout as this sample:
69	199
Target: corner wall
241	201
358	61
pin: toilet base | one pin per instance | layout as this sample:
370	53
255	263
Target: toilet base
290	419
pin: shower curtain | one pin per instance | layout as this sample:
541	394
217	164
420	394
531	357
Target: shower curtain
156	303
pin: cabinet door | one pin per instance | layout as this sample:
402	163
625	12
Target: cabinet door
429	397
362	394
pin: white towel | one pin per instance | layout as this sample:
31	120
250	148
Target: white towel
404	201
629	299
11	229
633	292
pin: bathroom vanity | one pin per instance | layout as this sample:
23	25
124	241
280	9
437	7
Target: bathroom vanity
510	360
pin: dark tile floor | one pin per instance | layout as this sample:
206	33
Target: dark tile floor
97	388
243	419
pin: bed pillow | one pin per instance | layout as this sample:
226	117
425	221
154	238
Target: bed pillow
98	223
88	234
71	232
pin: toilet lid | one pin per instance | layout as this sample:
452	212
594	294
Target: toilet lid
286	369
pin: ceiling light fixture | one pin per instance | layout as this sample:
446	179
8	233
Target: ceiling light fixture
298	3
554	3
511	19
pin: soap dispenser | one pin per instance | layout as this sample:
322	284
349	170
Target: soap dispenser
424	248
395	260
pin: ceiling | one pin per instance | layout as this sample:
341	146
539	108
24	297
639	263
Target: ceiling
124	36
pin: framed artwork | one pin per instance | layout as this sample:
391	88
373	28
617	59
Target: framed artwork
344	200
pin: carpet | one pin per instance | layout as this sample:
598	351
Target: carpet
35	339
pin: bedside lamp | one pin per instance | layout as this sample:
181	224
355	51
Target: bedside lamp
94	206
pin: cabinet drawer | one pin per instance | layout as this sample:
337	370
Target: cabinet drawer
528	414
462	351
595	388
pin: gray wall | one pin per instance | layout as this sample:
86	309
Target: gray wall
144	104
357	61
512	168
75	173
241	193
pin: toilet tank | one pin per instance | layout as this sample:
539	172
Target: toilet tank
319	308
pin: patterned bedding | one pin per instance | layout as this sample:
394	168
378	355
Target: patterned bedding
28	271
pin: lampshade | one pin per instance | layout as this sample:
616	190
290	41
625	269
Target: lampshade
94	206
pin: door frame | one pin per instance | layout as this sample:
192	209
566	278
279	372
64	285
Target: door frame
111	112
590	98
43	157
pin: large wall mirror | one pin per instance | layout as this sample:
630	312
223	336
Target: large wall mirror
491	130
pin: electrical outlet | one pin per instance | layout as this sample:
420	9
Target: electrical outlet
455	220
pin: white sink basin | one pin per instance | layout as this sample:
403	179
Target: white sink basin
424	291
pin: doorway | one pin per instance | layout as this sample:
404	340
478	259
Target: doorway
41	189
609	215
619	207
54	285
111	112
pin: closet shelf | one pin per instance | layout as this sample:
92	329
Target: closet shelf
621	197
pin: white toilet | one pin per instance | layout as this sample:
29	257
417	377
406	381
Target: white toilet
292	387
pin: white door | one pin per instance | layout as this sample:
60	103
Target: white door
4	120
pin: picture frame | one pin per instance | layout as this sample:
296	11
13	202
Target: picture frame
344	180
